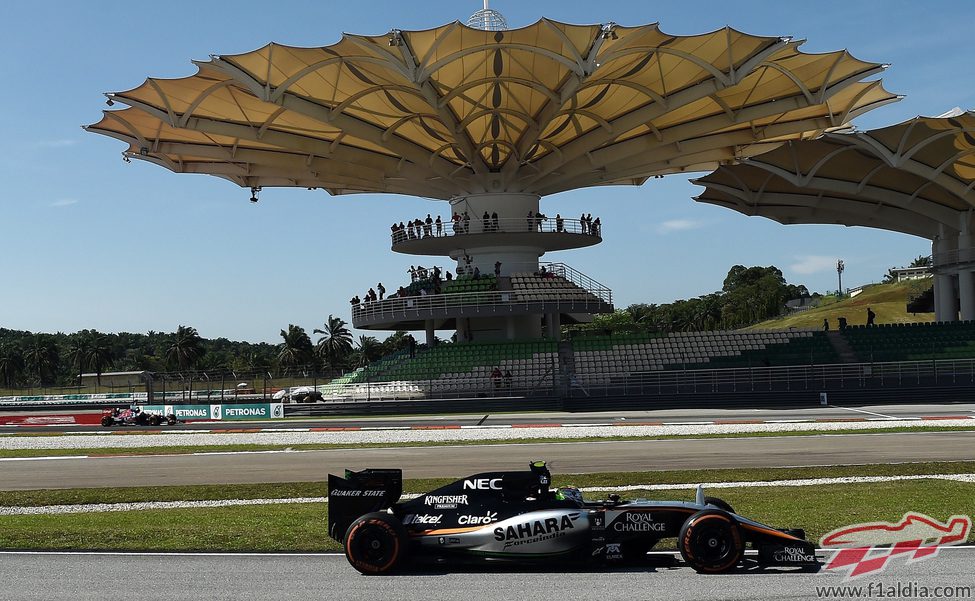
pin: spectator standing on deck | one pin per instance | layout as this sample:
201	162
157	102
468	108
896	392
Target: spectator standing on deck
477	272
494	222
497	269
467	222
559	222
596	226
531	220
381	289
439	225
486	222
582	224
871	316
428	226
455	223
412	271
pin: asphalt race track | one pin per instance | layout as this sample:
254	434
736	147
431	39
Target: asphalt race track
424	462
669	415
110	577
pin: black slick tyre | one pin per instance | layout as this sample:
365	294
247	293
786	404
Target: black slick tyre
155	420
710	541
107	421
375	543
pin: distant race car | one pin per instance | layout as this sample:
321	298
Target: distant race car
134	416
300	394
514	517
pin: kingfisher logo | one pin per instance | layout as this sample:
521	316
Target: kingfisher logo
864	549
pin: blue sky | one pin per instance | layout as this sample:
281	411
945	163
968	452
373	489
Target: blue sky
87	241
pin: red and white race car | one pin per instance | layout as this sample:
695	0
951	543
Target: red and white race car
134	416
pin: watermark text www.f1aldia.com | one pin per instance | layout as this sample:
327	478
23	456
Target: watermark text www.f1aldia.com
897	590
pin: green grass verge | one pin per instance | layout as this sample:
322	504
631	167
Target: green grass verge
301	528
230	447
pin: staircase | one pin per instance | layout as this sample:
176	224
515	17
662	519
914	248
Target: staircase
842	347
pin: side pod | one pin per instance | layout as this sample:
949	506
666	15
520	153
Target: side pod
360	493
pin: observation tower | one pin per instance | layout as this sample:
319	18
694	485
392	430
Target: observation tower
490	120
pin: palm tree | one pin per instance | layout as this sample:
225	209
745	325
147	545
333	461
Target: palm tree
367	350
78	352
11	363
99	354
185	347
335	343
41	356
296	350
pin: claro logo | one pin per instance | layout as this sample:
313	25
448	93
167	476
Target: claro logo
483	484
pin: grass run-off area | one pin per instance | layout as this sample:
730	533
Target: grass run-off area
888	301
301	528
230	446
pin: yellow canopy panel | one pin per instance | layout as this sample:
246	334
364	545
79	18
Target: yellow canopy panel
452	111
916	177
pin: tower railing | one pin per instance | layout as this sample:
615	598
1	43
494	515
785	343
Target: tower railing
502	225
953	258
571	299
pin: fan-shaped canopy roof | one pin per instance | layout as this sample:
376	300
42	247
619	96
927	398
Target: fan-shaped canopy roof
915	177
453	111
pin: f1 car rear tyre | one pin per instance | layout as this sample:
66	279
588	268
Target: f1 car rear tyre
710	541
375	543
107	420
171	419
154	420
720	504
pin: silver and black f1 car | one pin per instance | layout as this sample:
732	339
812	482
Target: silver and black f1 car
515	517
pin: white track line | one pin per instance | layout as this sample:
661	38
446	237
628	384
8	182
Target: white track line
890	417
163	505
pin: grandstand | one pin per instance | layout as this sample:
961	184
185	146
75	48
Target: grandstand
600	360
913	342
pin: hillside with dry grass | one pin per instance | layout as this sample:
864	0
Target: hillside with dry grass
888	301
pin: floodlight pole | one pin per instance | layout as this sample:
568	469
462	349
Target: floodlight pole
839	274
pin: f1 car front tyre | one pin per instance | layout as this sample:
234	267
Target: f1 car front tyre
375	543
171	419
107	420
155	420
710	541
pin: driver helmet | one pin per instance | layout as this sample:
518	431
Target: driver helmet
569	493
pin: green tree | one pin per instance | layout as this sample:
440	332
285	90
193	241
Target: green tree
78	352
367	350
335	343
11	363
42	358
921	261
184	348
99	354
296	350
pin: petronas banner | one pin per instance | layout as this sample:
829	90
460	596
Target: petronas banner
231	412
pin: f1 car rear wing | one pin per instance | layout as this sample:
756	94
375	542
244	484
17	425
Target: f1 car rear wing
359	493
